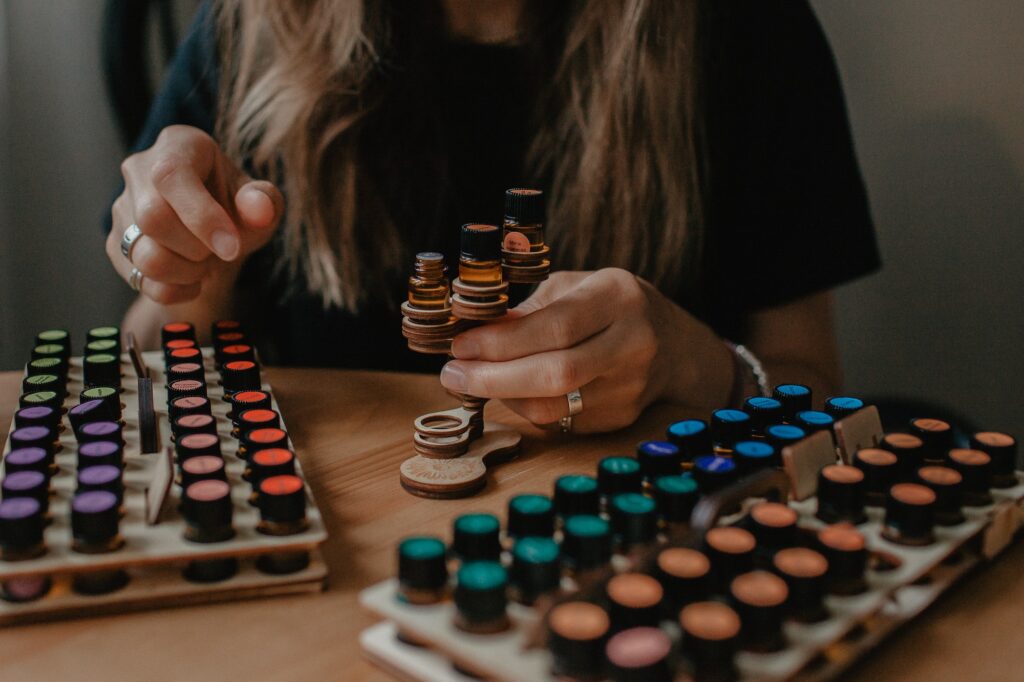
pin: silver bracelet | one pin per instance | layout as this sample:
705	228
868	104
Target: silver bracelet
756	368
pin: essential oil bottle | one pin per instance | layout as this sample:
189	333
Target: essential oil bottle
480	260
428	287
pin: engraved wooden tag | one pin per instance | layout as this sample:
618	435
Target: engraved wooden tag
862	429
803	460
156	491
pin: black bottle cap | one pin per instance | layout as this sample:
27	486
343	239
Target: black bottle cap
805	573
186	370
100	452
813	421
27	459
176	330
731	551
47	366
57	336
282	499
794	398
32	484
937	436
530	516
102	346
841	407
224	340
633	519
110	397
763	412
576	494
89	411
524	206
224	326
947	484
271	462
43	382
675	497
21	523
34	437
481	242
536	567
480	591
101	477
107	333
194	423
619	475
783	435
751	455
197	444
587	541
909	451
640	654
713	472
975	468
241	375
685	574
258	418
248	400
773	525
53	350
207	505
202	468
760	599
185	388
182	351
475	537
909	514
102	369
577	631
40	415
634	600
1002	448
94	516
729	426
846	551
262	439
711	632
841	494
100	430
422	564
237	352
179	407
41	398
658	458
691	436
880	469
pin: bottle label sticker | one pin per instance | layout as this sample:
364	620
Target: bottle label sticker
516	242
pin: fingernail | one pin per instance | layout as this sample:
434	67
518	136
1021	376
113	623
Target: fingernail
225	245
465	349
453	378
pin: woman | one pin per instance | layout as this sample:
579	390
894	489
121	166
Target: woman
701	180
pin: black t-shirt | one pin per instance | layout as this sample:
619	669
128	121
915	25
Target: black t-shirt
785	209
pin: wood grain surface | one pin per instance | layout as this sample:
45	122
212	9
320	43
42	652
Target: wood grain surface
352	430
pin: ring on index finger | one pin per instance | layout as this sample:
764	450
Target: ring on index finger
128	239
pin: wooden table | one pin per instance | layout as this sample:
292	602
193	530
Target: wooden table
352	430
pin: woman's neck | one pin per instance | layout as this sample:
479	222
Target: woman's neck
484	21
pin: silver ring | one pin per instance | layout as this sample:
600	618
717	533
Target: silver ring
575	402
128	239
135	279
566	424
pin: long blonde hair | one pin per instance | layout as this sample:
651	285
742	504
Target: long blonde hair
615	135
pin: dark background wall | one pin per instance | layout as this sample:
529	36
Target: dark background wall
936	99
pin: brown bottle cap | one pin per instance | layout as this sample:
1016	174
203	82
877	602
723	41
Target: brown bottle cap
773	514
759	588
843	537
939	475
731	540
681	562
931	424
800	562
710	620
969	457
903	440
841	473
912	493
635	590
994	439
578	620
876	456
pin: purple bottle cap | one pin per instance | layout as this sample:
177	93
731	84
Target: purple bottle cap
84	408
98	448
93	502
19	508
102	474
37	412
27	433
100	429
22	481
24	458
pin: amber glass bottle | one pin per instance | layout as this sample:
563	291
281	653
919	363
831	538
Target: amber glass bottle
428	287
480	260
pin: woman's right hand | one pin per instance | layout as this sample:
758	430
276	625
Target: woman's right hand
200	215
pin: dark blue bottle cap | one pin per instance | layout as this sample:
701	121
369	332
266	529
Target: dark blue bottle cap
713	472
691	436
794	398
531	515
729	426
840	407
476	537
658	458
576	494
782	435
763	411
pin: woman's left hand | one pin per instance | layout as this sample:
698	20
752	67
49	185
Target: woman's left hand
608	333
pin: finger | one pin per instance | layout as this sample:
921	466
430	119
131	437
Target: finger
566	321
157	220
541	375
603	409
163	265
182	187
550	289
259	206
161	292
